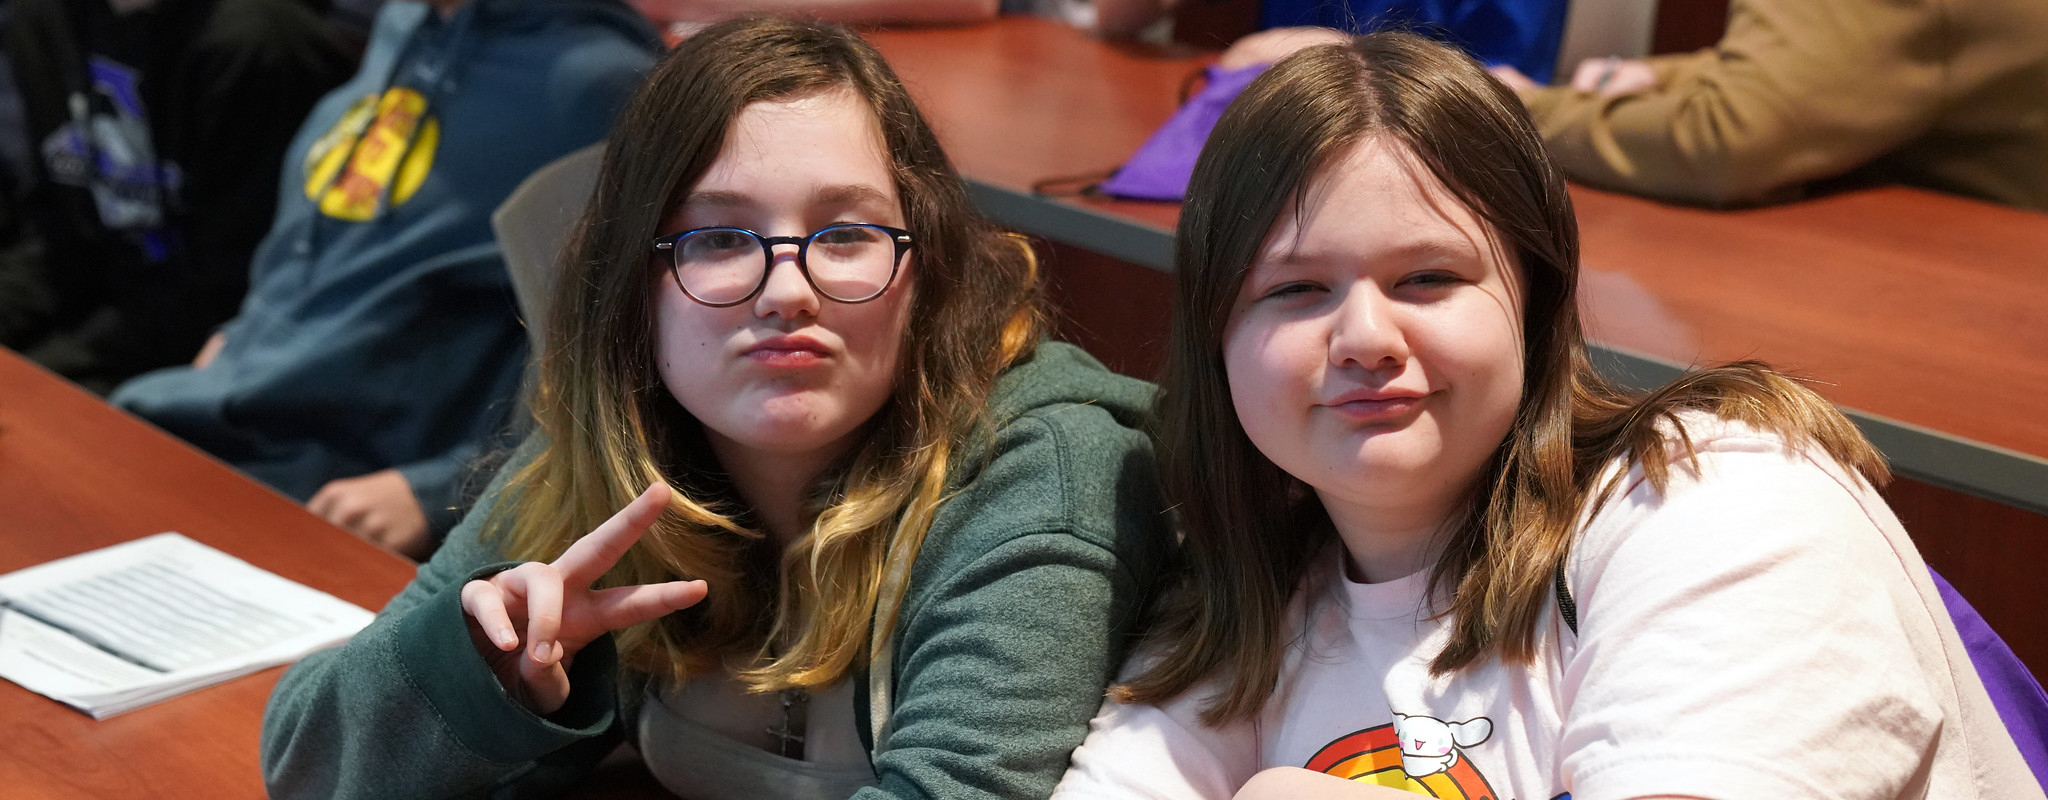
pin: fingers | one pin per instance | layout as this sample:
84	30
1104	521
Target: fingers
537	589
594	554
340	504
327	501
544	688
1630	77
485	604
627	606
1590	72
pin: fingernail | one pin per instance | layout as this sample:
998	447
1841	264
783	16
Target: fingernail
541	651
505	638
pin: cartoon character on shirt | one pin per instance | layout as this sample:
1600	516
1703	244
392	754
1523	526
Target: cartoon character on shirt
1418	753
1430	745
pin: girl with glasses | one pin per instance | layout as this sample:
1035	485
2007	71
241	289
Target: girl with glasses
809	510
1430	550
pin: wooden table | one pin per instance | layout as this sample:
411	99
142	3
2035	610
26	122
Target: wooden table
1925	316
76	475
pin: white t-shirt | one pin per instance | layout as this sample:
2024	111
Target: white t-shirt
1762	629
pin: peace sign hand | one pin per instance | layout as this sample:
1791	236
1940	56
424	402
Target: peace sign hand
559	610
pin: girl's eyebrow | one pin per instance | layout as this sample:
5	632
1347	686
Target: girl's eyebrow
1415	249
718	199
848	194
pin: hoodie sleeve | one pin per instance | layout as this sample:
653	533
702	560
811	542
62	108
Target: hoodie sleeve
1022	604
408	708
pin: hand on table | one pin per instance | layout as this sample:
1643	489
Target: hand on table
379	507
1268	46
1613	77
561	614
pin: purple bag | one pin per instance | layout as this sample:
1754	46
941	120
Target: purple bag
2018	697
1161	167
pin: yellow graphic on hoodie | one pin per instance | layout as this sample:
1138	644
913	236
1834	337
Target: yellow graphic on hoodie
378	152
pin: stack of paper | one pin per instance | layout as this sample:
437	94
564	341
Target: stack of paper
122	627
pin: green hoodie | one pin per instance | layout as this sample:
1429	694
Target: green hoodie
1021	604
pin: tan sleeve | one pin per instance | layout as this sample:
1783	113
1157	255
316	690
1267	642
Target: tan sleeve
1675	68
1795	91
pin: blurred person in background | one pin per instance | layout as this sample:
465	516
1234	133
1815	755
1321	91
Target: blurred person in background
149	136
1951	97
379	348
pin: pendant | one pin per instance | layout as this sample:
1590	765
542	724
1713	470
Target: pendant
795	723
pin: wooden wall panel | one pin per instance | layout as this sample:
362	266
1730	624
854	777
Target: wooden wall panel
1116	310
1687	25
1992	553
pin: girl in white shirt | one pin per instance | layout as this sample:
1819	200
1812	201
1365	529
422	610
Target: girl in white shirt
1429	549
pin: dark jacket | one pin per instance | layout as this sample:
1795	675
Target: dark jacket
380	329
155	138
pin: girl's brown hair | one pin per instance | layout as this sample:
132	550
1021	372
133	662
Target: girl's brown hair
1250	530
800	617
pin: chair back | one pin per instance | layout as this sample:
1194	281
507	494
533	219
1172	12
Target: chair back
534	223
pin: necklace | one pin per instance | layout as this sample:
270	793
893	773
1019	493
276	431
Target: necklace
796	704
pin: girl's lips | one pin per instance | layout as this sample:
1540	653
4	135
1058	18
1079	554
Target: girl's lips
1376	410
788	351
772	357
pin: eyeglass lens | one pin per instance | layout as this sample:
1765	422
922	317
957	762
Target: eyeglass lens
847	263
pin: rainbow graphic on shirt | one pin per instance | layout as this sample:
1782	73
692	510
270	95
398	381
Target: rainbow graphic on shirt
1432	766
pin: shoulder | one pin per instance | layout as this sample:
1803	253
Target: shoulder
583	47
576	26
1064	456
1764	587
1063	432
1745	503
1708	455
1059	377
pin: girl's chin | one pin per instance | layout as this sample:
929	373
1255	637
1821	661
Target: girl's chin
1382	474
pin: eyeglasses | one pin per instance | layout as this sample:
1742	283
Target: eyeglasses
849	263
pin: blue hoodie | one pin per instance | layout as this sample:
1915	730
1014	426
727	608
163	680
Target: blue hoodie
380	329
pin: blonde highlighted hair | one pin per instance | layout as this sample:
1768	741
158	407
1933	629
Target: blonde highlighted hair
801	616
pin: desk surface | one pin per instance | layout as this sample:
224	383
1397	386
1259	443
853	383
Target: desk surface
76	475
1921	314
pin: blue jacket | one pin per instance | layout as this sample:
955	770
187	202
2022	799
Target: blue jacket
1524	34
380	329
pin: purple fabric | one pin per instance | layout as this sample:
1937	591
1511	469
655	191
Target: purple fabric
2021	704
1162	165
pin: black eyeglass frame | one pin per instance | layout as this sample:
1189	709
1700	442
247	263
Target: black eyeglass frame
898	236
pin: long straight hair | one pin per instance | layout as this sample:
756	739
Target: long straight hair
1250	530
799	617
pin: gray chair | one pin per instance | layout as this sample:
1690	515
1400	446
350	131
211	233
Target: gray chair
534	223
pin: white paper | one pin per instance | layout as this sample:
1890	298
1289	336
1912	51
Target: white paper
125	626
